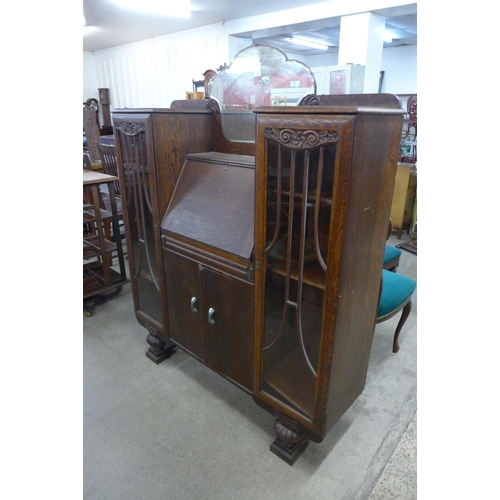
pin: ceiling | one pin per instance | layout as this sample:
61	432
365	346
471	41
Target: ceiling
109	25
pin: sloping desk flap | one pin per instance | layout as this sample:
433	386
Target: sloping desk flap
213	202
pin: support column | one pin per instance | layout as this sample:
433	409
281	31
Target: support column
361	42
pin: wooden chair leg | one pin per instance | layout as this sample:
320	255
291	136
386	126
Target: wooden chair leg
402	321
108	257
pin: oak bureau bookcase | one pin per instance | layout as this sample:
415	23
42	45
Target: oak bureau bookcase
256	235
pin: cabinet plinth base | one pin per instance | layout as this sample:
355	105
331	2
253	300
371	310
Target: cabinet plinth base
159	357
289	443
159	350
289	453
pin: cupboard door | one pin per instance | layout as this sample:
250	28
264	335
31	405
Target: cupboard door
135	154
299	166
186	314
229	324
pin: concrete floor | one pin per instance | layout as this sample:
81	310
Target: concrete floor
179	431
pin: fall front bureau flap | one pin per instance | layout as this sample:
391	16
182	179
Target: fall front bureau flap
213	202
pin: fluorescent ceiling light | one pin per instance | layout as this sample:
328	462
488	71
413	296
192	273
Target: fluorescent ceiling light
387	37
177	8
308	43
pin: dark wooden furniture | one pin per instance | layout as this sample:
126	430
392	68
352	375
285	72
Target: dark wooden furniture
91	130
110	167
208	241
107	140
104	101
324	178
285	310
409	136
263	258
205	83
261	255
151	145
109	163
98	275
87	164
411	106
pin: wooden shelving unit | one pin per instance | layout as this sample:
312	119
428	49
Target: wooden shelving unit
99	223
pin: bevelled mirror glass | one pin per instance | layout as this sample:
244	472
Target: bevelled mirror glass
260	75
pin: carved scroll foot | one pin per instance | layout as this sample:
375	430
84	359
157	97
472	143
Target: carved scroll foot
289	443
159	350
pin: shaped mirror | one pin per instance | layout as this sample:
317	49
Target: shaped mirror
260	75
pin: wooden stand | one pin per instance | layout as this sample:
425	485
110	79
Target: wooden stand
98	275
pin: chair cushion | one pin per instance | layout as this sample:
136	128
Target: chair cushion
391	253
395	291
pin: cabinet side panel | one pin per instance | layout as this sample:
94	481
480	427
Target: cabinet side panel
368	204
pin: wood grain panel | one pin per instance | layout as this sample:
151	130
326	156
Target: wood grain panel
214	204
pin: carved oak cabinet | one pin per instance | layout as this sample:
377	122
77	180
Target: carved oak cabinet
150	147
263	259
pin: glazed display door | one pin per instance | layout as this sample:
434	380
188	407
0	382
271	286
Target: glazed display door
298	251
135	152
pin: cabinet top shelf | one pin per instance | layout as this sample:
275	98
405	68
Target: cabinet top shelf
385	104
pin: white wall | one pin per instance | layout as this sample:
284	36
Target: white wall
398	63
90	85
400	67
329	59
154	72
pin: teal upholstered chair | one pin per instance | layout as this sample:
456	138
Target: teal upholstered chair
395	296
391	254
391	258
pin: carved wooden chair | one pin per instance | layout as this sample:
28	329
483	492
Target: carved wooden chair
91	128
87	164
110	167
395	296
109	163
